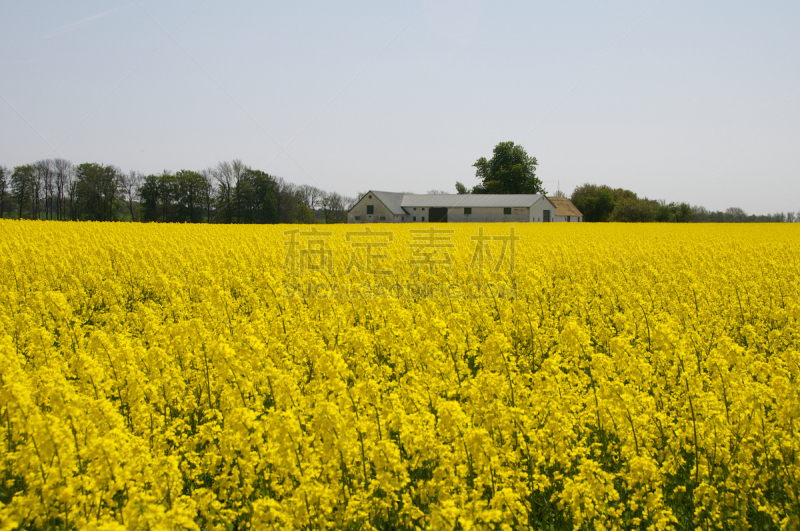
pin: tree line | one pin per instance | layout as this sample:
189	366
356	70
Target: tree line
230	192
600	203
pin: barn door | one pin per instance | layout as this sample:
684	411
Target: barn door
438	215
546	214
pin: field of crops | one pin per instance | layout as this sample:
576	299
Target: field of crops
546	376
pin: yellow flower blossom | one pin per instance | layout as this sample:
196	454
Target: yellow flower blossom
180	377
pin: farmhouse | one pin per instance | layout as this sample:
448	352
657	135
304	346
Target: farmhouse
565	210
393	207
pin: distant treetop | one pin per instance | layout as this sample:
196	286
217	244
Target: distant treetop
510	171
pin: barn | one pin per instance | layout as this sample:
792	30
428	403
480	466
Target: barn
565	210
392	207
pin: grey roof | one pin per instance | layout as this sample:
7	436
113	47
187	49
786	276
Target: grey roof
469	200
392	200
397	203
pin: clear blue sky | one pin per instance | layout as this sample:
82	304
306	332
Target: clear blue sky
676	100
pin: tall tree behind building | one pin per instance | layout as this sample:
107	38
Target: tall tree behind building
510	171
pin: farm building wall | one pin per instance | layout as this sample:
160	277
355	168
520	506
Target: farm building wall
380	214
572	219
487	215
418	214
538	208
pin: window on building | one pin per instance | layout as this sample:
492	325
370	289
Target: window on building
506	211
423	218
415	217
358	218
370	209
467	211
370	196
383	218
568	219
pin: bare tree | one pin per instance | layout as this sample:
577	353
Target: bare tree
223	174
699	212
208	191
237	169
312	196
349	202
72	196
45	176
5	176
333	208
736	212
437	192
64	176
227	175
130	183
42	178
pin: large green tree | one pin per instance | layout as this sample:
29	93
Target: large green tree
190	196
22	186
634	210
97	187
174	198
596	203
255	192
150	198
510	171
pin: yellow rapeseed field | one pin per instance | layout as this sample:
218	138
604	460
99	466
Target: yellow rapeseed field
465	376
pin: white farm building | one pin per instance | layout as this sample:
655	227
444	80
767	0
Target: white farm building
393	207
565	210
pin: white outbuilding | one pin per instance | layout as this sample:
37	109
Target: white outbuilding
565	210
393	207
